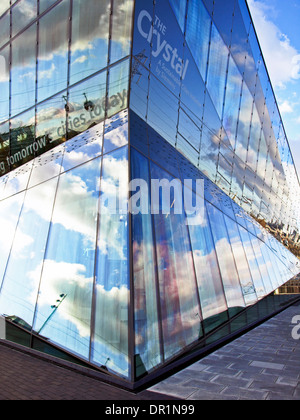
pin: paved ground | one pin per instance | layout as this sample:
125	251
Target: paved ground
263	364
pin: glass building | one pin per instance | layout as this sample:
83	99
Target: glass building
94	94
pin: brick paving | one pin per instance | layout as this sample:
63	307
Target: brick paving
264	364
25	377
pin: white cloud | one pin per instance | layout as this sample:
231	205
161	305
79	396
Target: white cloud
282	59
286	107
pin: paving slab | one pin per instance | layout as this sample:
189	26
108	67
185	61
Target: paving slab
263	364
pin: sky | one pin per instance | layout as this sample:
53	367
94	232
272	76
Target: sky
278	29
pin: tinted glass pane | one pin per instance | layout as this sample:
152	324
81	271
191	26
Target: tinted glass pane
22	14
144	269
21	282
121	29
213	302
64	305
229	273
23	72
4	84
53	51
110	344
4	29
90	28
180	309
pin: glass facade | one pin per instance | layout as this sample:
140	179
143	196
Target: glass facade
97	94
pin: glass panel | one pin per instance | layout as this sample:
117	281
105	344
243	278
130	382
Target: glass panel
4	5
4	84
163	111
253	264
51	124
83	147
46	166
53	51
241	262
4	28
20	286
22	138
217	68
86	104
22	14
23	72
198	34
230	279
232	101
110	343
9	215
213	302
45	4
121	29
179	7
180	311
116	132
4	150
144	271
63	313
118	88
90	28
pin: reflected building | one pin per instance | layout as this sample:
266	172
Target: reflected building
94	94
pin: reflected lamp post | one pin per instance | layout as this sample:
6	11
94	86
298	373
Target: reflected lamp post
54	307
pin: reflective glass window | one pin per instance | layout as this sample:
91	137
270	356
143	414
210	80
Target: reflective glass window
22	138
198	34
51	124
45	4
163	111
253	263
230	279
4	84
116	132
23	71
63	313
211	291
139	89
257	248
53	51
167	60
232	101
4	6
86	104
223	18
83	147
20	287
9	215
147	337
121	29
180	311
241	262
217	68
110	343
254	140
90	29
4	149
191	98
46	166
4	29
24	12
179	7
118	85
